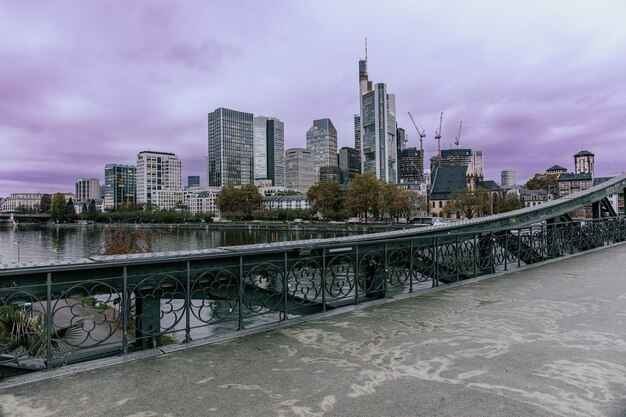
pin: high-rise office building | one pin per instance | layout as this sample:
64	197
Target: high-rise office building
231	148
378	127
193	181
349	164
357	138
157	171
410	166
321	140
87	189
299	169
401	140
269	150
120	186
508	178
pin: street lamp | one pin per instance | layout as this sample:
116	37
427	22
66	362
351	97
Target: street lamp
17	242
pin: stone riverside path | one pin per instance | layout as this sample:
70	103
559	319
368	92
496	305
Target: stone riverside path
548	340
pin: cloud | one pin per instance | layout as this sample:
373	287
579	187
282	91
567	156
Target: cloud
84	84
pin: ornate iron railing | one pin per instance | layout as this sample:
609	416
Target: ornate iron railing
61	314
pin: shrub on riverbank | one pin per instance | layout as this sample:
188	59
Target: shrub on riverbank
164	216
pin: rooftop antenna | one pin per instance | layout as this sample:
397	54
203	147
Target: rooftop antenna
366	49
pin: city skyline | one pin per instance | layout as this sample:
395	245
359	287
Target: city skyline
85	85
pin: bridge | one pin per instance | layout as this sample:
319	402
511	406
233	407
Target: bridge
547	340
117	305
7	218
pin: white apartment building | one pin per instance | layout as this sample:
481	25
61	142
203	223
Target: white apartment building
202	200
158	171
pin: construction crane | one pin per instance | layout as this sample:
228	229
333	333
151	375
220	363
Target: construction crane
438	137
422	134
457	140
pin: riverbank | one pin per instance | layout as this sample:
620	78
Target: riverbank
252	225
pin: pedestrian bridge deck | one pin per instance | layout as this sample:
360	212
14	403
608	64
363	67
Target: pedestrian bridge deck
546	340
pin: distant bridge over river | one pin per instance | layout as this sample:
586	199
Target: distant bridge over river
113	305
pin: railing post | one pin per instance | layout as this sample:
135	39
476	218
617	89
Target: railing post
385	271
506	251
356	275
188	304
49	321
542	243
475	251
435	262
411	270
456	256
324	279
519	247
285	287
125	306
240	301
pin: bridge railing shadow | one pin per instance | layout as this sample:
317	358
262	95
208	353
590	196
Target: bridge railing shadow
56	315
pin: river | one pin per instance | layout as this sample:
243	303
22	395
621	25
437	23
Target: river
34	243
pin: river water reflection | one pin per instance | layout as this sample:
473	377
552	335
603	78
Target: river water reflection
31	243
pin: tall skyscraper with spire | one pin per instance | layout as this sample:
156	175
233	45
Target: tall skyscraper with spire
378	148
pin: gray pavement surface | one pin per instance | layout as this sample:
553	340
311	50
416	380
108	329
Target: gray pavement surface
544	341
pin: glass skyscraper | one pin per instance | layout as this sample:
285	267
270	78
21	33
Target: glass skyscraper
378	147
321	140
269	150
299	169
120	186
231	148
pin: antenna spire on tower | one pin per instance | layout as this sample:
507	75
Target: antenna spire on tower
366	49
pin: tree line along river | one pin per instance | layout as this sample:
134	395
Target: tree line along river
41	243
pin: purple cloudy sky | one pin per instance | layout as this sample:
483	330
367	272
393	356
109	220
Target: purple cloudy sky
85	83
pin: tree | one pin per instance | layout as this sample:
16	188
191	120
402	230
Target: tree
469	203
45	203
69	207
390	200
364	195
411	204
546	182
239	203
57	208
92	211
325	198
509	203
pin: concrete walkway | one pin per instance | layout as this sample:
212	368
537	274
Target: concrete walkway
545	341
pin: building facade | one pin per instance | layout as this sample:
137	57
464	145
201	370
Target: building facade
321	140
157	171
378	148
230	157
120	186
286	202
583	162
349	164
299	169
202	200
193	181
357	138
87	189
410	166
269	150
508	178
22	201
